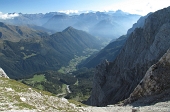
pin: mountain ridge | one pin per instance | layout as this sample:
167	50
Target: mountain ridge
16	33
36	54
89	22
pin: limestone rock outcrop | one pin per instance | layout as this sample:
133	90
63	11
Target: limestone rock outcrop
17	97
2	73
143	48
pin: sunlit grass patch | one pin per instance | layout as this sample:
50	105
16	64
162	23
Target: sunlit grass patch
23	105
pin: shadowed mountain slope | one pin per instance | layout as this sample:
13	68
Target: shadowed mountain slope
109	53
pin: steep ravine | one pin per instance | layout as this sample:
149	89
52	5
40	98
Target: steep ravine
114	81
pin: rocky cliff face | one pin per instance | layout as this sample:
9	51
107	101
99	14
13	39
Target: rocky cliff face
144	47
156	81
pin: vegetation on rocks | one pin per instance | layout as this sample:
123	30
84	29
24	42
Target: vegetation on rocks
17	96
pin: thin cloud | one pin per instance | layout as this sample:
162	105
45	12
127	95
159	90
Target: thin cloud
69	11
8	15
141	7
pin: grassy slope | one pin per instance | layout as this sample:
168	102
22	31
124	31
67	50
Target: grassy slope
37	78
17	96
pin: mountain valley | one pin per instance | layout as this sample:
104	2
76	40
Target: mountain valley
61	62
49	52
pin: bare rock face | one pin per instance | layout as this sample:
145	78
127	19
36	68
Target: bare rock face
99	81
155	81
144	47
2	73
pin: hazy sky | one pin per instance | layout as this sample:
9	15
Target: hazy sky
43	6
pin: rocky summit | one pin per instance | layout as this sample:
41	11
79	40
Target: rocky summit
143	48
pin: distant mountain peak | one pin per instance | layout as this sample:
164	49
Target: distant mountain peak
70	28
120	12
